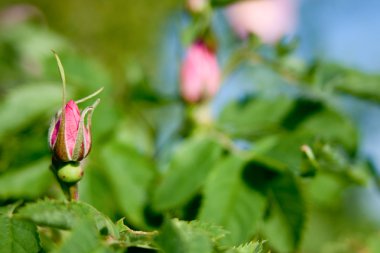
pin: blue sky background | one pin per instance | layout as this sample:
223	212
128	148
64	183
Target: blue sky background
348	32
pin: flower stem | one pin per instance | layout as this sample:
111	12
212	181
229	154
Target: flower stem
73	192
70	191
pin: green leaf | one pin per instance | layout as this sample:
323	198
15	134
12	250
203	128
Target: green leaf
286	214
284	226
28	182
132	238
18	236
302	109
214	232
251	247
230	203
24	104
33	43
286	149
179	236
49	238
94	188
64	215
254	117
130	175
326	190
84	238
8	209
135	133
331	159
187	171
351	82
339	128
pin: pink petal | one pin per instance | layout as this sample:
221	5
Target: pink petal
268	19
212	75
72	118
54	135
199	73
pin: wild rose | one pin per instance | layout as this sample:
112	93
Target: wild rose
69	136
268	19
200	73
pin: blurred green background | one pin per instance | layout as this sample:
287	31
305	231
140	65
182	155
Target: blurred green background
152	157
111	31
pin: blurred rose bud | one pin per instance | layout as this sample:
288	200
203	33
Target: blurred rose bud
268	19
69	137
200	74
197	6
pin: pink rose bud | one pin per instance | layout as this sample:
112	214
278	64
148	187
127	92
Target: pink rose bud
69	136
200	73
268	19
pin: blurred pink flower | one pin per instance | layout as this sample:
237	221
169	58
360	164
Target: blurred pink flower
197	5
200	73
268	19
19	13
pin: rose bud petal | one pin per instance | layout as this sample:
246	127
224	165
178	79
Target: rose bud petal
69	138
200	73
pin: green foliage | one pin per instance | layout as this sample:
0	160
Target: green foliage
17	236
84	238
24	104
230	203
251	247
186	173
130	175
63	215
179	236
135	238
254	117
276	170
195	236
287	212
351	82
35	176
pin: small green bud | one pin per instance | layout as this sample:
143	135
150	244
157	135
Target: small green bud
70	173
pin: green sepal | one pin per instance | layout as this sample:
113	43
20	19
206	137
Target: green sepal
60	148
53	122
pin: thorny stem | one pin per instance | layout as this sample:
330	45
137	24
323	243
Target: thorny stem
247	53
136	238
70	191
